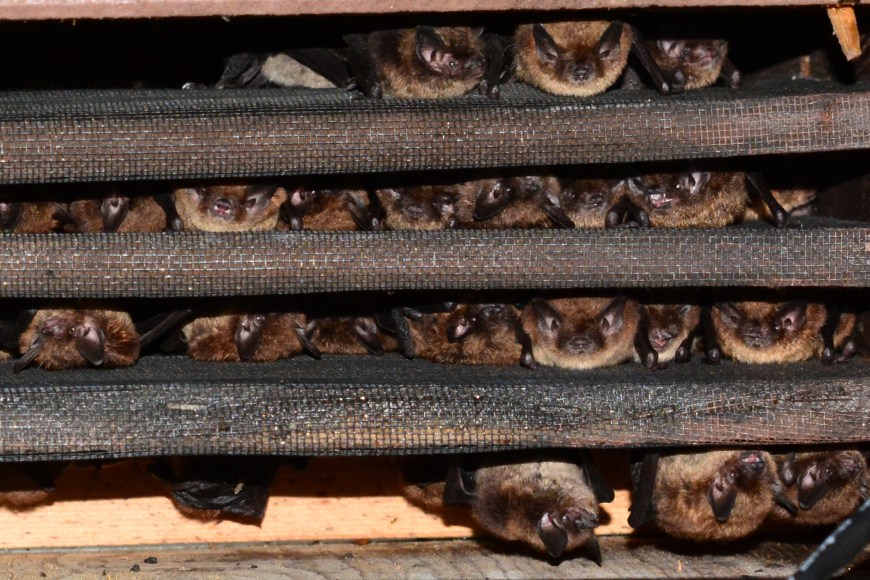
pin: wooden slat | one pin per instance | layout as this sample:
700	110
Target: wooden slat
389	405
117	135
55	9
179	265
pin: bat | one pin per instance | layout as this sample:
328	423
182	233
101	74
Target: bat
349	335
512	202
708	496
425	62
25	486
587	202
247	337
229	208
672	329
585	333
578	58
694	63
425	207
331	210
31	217
827	486
797	202
770	332
117	213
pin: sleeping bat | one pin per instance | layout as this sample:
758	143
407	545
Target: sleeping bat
210	488
424	207
25	486
577	58
587	202
247	337
672	329
229	208
694	199
546	501
349	335
797	202
709	496
511	202
31	217
425	62
585	333
331	210
694	64
770	332
827	486
117	213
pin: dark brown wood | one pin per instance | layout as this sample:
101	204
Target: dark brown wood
176	265
118	135
389	405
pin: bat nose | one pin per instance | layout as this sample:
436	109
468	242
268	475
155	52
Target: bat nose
223	206
581	72
753	463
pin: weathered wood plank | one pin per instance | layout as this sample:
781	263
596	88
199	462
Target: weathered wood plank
117	135
179	265
392	406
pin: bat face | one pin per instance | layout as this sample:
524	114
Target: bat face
513	202
765	332
691	199
453	53
349	335
245	337
547	505
698	60
29	218
586	201
669	326
483	334
581	332
717	495
65	339
330	210
579	58
230	208
419	208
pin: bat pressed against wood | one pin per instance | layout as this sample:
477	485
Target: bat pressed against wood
229	208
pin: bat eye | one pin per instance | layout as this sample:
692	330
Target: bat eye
251	202
452	64
686	52
199	190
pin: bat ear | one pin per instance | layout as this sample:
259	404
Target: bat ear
547	49
549	319
671	48
459	329
554	537
793	315
300	200
10	213
492	199
367	334
249	333
593	548
608	46
731	315
635	185
786	470
430	46
693	183
721	495
613	316
813	483
258	196
91	341
303	334
684	309
367	214
114	210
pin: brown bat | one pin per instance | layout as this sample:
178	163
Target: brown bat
25	486
331	210
117	213
694	64
425	207
420	63
512	202
247	337
229	208
585	333
31	217
672	329
797	202
578	58
586	202
349	335
68	339
716	495
827	486
769	332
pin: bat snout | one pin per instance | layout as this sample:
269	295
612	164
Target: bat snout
223	208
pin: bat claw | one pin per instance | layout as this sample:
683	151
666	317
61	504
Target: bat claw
713	356
828	356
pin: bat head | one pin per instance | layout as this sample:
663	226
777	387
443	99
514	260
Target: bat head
10	215
114	210
670	325
576	60
690	54
583	333
665	192
454	53
832	471
425	207
743	472
495	195
478	319
230	207
761	325
65	339
556	528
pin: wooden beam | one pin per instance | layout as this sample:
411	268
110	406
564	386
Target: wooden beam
846	28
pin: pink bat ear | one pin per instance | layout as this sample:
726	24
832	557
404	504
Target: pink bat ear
546	48
430	46
793	315
552	534
672	48
458	330
722	494
608	46
549	319
613	315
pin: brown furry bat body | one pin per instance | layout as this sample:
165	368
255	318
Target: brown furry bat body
237	337
426	207
513	202
827	486
699	62
329	210
230	208
587	201
349	335
426	62
29	218
686	200
579	58
117	214
797	202
582	333
67	339
24	486
670	328
717	495
768	332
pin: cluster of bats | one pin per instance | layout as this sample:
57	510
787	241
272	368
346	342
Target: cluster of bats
576	58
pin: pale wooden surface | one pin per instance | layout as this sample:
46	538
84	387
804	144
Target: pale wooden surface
332	499
71	9
623	558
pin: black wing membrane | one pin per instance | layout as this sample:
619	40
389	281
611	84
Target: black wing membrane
838	549
643	479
